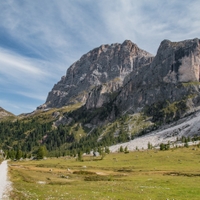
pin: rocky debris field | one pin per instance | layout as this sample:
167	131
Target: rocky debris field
187	127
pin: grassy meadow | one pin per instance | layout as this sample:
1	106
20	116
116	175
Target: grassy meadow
152	174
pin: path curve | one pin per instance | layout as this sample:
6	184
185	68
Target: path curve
5	185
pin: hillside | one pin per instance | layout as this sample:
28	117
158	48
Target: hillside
179	133
4	114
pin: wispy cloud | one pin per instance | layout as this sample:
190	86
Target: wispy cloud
15	62
23	70
18	107
31	95
28	78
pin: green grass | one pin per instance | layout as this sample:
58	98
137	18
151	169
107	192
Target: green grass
47	116
173	174
194	83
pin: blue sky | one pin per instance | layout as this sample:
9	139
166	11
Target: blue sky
39	40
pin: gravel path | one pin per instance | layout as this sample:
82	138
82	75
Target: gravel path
5	185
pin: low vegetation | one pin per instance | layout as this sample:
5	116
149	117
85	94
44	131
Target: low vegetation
165	112
151	174
23	137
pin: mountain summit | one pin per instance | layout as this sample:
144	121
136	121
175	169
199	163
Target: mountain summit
172	76
105	65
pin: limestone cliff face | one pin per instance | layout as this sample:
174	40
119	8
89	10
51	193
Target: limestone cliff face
181	60
97	73
172	76
103	93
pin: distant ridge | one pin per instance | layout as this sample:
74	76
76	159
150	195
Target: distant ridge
4	113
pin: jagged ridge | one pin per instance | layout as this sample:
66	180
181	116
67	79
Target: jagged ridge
107	64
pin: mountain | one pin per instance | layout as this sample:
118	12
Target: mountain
171	78
122	78
119	80
114	94
103	68
5	114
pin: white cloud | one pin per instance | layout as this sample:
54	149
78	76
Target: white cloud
20	69
14	62
30	78
40	96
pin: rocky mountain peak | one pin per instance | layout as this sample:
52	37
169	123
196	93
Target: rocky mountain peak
172	76
181	60
102	65
127	78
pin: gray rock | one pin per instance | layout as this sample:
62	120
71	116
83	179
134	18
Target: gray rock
172	76
107	64
127	79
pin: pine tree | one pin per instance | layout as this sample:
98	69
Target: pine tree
42	152
80	156
121	149
19	154
149	145
126	150
107	150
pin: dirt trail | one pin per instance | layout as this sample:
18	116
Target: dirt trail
5	185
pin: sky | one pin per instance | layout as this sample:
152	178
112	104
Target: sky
39	40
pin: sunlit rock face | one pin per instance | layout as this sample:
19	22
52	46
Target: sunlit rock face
104	67
165	79
183	60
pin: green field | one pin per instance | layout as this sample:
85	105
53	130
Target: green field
152	174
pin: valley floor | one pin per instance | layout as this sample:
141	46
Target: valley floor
141	175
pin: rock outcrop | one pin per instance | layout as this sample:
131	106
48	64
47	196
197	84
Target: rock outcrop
101	70
172	76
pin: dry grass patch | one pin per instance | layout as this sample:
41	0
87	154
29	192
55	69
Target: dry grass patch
138	175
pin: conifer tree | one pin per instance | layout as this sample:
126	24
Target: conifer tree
42	152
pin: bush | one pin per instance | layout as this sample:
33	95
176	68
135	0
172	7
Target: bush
42	152
121	149
164	147
126	150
